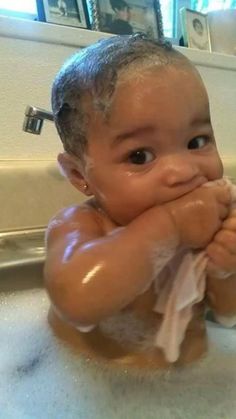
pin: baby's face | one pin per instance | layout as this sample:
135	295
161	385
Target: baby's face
157	144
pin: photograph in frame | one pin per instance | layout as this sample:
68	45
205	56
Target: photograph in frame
126	17
195	29
64	12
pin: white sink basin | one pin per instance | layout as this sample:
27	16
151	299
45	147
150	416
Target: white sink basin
41	378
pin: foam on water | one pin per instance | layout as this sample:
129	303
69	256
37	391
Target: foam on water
42	379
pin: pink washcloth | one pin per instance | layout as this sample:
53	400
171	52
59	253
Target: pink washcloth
180	285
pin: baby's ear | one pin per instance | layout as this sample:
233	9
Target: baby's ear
72	168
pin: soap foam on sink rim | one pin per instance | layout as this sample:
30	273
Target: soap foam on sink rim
41	378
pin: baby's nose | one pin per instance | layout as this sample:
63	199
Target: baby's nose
179	171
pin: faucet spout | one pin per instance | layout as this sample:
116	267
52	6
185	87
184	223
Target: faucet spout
34	118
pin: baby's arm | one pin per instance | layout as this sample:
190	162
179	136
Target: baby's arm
90	275
221	281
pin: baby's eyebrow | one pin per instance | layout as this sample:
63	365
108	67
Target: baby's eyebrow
201	120
138	132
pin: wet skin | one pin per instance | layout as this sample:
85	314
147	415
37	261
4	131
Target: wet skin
145	166
166	115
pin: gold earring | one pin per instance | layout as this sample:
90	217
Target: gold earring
85	187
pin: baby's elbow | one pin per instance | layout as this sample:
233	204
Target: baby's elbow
68	301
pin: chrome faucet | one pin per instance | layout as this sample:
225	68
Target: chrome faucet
34	118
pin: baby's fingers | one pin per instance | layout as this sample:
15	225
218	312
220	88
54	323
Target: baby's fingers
221	257
230	222
223	194
227	239
223	200
223	211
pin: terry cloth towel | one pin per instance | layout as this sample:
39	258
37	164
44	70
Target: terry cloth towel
179	286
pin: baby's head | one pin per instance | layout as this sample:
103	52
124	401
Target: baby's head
88	80
133	116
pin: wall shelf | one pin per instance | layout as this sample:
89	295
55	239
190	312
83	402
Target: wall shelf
76	37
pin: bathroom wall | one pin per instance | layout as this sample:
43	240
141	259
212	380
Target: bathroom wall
31	53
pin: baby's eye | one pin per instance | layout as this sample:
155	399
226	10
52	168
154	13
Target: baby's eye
198	142
141	156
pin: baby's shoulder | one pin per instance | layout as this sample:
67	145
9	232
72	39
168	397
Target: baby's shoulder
83	218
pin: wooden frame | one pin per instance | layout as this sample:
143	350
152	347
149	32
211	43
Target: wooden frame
68	13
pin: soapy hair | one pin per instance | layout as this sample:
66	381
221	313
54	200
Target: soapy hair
87	81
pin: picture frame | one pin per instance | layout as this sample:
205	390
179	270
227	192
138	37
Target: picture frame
195	29
125	17
64	12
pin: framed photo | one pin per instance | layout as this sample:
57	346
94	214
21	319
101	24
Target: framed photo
64	12
125	17
195	29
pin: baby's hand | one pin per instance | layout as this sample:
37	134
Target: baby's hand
198	215
222	249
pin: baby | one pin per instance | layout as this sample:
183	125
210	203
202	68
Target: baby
134	119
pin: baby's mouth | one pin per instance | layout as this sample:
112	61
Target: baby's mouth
195	183
185	188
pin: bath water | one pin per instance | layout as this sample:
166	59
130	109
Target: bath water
41	378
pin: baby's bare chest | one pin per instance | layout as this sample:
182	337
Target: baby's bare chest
136	327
